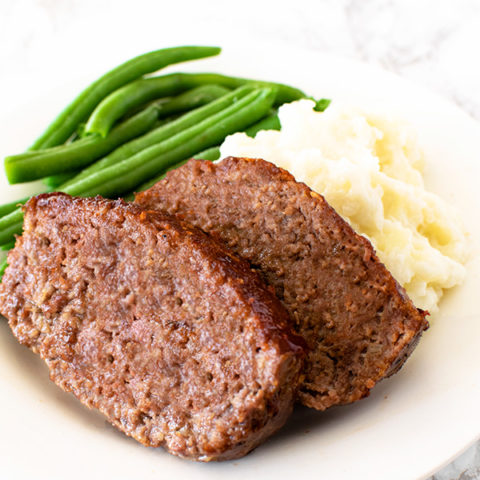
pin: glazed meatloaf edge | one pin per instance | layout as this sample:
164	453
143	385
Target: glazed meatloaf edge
175	340
358	322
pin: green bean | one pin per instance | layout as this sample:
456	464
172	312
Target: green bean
79	110
3	267
11	225
138	93
322	104
194	98
7	246
271	122
141	91
55	181
284	93
7	208
126	175
129	197
118	103
212	153
33	165
80	131
162	133
163	121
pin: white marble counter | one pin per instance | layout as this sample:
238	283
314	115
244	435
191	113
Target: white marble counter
432	42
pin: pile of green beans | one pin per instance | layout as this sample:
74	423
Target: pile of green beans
129	173
60	130
184	102
196	97
34	165
137	93
162	133
125	130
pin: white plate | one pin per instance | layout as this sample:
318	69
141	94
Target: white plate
409	427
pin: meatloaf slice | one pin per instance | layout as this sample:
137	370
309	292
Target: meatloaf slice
359	324
149	320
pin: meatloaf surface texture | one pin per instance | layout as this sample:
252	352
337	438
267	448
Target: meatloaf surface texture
358	323
147	319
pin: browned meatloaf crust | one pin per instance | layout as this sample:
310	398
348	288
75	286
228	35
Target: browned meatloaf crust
358	322
152	322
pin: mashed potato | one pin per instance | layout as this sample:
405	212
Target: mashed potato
369	169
